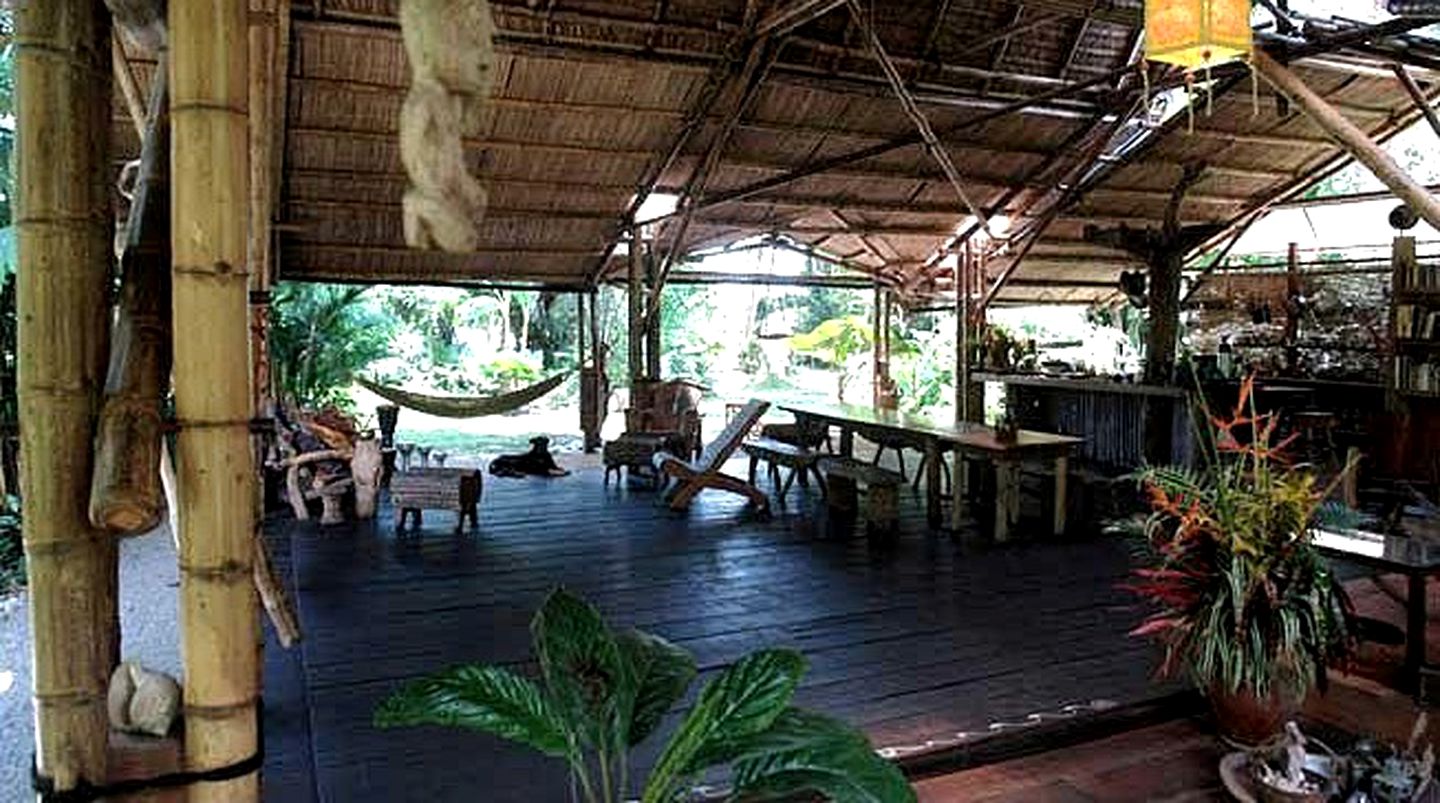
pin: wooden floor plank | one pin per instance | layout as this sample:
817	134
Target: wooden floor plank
925	638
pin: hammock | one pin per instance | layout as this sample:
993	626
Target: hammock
464	406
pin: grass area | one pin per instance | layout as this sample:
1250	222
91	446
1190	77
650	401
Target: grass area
460	443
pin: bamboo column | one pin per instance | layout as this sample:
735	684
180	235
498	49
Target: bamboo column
64	227
209	174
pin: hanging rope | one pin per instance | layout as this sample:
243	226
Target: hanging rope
451	48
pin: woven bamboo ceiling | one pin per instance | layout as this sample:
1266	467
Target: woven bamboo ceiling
1032	100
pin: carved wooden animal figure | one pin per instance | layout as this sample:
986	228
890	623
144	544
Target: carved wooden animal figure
452	60
365	467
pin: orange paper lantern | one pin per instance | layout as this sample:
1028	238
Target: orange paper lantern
1196	34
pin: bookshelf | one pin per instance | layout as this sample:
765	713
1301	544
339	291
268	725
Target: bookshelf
1414	323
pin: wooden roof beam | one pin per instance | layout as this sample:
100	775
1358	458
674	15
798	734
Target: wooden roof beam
845	160
932	142
783	20
1421	102
1351	138
747	83
746	40
129	86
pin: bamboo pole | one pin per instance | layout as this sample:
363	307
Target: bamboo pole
63	220
1351	138
209	174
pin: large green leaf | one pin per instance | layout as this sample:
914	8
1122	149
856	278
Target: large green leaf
584	671
807	753
742	702
661	672
483	698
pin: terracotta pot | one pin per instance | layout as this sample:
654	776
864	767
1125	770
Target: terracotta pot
1245	720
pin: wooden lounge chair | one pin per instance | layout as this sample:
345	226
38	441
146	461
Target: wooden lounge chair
704	472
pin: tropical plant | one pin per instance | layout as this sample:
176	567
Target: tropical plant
320	337
1246	603
602	693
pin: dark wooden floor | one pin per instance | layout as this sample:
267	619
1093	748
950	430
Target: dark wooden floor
922	640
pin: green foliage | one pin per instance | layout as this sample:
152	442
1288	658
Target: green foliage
320	337
12	551
687	348
603	693
923	369
1245	600
836	340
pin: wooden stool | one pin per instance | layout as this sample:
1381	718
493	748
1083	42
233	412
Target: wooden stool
454	489
843	476
634	451
800	460
331	496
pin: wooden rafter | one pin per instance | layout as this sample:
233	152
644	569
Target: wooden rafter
744	44
933	145
1003	202
747	83
1002	37
129	86
1067	188
1357	142
997	57
1081	31
1421	102
905	141
785	19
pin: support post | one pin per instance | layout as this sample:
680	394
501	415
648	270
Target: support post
588	386
962	335
653	320
64	227
1350	137
876	356
210	173
1292	309
266	74
636	289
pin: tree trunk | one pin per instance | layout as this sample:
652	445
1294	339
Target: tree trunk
65	235
1161	340
218	611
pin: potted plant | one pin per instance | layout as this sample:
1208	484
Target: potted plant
602	693
1246	604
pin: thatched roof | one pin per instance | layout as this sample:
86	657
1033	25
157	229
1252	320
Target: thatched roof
593	93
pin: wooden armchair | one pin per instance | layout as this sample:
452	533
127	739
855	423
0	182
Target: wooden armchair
703	472
670	407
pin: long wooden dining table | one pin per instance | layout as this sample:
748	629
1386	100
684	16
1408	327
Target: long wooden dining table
970	439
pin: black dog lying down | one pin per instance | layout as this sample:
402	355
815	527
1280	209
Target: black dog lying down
535	463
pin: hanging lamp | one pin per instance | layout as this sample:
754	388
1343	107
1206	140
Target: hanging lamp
1197	34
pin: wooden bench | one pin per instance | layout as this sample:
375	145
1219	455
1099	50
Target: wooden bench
456	489
843	478
800	460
